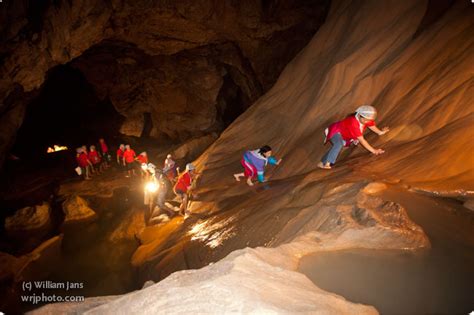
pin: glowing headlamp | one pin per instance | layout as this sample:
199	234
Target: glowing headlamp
151	187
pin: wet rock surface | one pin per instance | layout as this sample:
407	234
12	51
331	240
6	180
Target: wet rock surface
77	209
29	219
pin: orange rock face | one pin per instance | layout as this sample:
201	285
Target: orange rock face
422	87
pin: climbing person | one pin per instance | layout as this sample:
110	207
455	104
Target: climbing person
83	162
95	159
254	162
128	160
350	131
142	159
184	187
169	168
104	151
120	152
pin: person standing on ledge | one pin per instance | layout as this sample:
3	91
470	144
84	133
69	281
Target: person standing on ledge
120	151
129	160
104	151
83	162
350	131
254	163
169	168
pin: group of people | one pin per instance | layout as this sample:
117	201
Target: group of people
344	133
92	161
159	181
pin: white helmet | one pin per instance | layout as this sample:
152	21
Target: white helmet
190	167
144	166
169	156
367	111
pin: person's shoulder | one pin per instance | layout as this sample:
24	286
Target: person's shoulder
351	118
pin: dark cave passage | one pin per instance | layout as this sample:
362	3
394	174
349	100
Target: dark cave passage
65	112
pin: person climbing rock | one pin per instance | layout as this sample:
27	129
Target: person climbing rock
169	168
120	152
83	162
95	159
254	162
184	186
129	160
350	131
104	151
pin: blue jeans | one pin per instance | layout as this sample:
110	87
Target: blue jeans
337	145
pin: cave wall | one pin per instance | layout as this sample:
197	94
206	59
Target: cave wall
257	38
418	75
179	91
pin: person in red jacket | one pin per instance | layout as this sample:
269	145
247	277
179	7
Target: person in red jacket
142	159
350	131
104	152
128	160
120	151
83	162
184	187
95	159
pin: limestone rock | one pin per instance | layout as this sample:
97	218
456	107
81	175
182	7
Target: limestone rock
29	219
374	188
185	49
76	208
193	148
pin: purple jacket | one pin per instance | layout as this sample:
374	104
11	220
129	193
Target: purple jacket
259	161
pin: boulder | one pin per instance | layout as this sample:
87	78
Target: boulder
29	219
193	148
76	209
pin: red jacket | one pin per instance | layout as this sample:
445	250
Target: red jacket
82	160
129	156
142	159
184	181
120	153
104	147
350	129
94	157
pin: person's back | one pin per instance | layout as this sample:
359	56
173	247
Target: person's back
183	182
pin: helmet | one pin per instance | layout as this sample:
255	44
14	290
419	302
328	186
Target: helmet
169	156
367	111
144	166
151	165
190	167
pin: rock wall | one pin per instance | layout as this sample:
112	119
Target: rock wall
165	59
420	79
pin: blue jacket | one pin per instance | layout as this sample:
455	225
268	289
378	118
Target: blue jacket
259	161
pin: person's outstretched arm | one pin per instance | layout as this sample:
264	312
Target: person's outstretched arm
371	149
273	161
378	131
